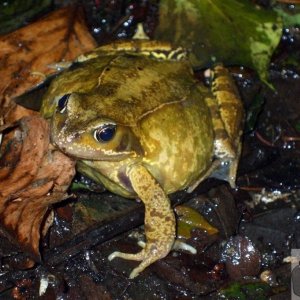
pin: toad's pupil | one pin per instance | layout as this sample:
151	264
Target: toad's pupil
105	133
62	102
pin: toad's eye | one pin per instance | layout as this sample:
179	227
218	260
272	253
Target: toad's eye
105	133
62	103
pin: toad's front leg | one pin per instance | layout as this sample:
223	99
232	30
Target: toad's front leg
159	220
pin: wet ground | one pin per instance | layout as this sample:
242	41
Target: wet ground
260	219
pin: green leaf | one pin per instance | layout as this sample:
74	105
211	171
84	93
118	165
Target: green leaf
290	17
16	13
188	219
255	290
231	31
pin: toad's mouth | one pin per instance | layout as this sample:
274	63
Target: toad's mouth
83	146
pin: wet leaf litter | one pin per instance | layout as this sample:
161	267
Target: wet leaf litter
260	146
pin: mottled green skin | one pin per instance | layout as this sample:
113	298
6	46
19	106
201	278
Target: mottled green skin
163	121
171	131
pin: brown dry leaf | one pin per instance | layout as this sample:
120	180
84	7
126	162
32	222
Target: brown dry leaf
33	175
25	54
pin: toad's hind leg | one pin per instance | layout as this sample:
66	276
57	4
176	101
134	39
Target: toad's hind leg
228	146
159	220
227	116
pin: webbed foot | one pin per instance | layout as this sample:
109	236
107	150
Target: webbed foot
147	256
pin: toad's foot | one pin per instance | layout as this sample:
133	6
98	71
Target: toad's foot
178	245
159	220
148	256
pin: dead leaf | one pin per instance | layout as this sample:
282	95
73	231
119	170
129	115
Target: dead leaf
33	175
17	112
25	54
